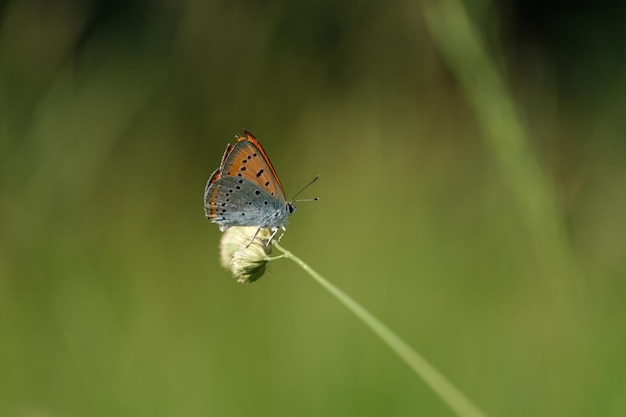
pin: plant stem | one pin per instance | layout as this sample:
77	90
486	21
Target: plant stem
451	395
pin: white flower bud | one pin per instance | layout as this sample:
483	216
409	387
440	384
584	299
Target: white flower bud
245	256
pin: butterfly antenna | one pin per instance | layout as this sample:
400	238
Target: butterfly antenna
304	188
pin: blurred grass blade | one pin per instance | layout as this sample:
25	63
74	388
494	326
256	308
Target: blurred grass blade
462	46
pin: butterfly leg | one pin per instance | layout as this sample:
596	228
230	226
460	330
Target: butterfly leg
281	235
258	229
269	240
274	231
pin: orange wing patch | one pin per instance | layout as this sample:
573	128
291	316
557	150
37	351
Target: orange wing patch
248	160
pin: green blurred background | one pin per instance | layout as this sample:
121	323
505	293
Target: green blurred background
503	265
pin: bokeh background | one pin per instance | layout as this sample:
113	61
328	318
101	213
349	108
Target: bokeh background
472	196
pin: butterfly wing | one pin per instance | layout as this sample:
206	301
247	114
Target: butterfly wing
245	190
247	159
236	201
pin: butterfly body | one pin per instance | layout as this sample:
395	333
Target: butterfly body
245	189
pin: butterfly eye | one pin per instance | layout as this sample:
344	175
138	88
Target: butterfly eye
291	208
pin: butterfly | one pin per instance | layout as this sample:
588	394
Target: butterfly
245	189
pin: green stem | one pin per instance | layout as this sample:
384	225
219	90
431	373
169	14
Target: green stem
451	395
